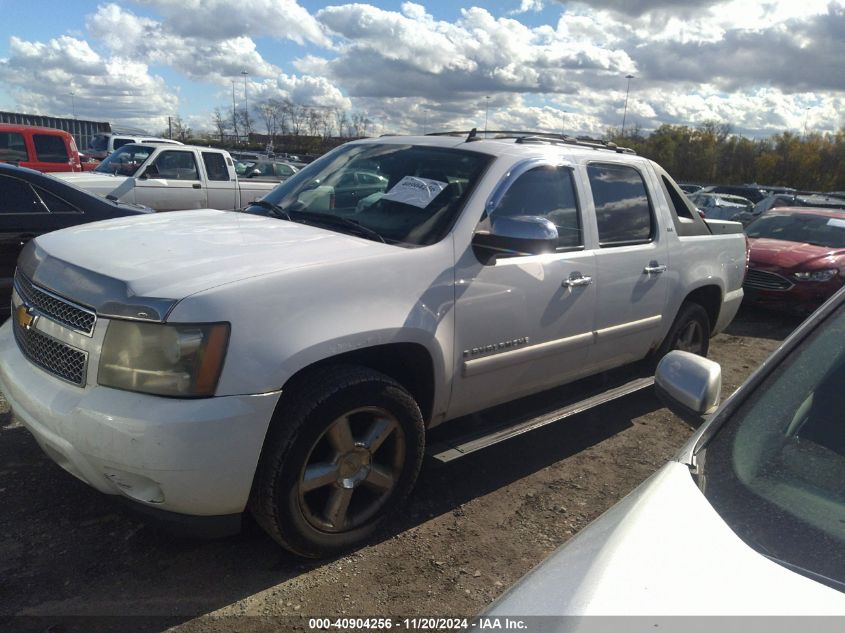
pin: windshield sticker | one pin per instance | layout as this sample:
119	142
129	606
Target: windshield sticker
836	222
418	192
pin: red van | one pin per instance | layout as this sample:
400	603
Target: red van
40	148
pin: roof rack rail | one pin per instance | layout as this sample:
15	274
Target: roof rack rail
536	137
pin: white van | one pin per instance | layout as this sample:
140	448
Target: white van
104	144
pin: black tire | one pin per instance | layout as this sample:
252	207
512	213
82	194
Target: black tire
301	450
690	332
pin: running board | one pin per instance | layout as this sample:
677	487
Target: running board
499	430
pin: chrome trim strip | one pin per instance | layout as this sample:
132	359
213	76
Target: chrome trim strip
524	354
624	329
109	297
493	362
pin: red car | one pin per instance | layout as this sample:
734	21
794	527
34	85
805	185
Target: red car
39	148
797	257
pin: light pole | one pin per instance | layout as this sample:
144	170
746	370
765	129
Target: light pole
806	114
234	113
73	103
246	107
486	112
625	113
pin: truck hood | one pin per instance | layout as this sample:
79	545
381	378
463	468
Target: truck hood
95	182
767	252
662	551
140	267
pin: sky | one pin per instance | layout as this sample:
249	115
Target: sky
411	67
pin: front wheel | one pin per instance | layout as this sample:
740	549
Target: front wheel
340	458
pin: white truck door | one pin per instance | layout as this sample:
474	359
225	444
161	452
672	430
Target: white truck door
222	181
631	263
173	182
525	323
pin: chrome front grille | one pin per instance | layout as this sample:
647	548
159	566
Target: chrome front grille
55	307
764	280
59	359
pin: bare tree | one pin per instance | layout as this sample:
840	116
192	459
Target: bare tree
181	131
341	121
269	111
221	124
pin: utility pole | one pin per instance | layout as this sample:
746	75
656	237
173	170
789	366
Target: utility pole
627	90
246	107
486	112
234	113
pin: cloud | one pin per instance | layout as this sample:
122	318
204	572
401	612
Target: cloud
222	20
43	74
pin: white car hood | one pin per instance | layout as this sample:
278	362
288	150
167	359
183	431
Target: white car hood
662	551
168	256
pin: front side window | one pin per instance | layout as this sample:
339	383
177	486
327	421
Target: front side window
12	147
16	197
547	192
623	210
176	165
50	148
775	470
397	193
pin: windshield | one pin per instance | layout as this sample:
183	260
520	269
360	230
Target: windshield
404	194
805	228
775	471
126	161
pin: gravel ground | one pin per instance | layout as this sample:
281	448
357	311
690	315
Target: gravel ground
471	529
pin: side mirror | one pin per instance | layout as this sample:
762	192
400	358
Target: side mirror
689	385
520	235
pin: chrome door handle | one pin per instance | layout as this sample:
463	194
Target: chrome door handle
577	281
655	270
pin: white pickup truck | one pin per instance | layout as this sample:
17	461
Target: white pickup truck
169	177
294	359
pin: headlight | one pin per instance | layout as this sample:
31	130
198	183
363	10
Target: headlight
163	359
816	275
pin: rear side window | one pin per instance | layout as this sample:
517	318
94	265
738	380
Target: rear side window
623	210
54	203
215	166
547	192
18	197
12	146
684	214
50	148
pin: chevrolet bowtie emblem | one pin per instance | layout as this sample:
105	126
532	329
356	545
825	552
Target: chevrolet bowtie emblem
24	317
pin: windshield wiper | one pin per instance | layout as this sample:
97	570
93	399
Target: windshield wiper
336	220
275	209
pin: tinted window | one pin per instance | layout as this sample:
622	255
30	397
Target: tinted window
177	165
774	472
54	203
16	196
12	146
50	148
99	143
548	192
120	142
215	166
623	211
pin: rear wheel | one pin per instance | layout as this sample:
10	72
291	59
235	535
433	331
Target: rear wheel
689	333
341	457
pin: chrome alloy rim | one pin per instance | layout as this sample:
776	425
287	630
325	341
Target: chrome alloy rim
352	469
691	338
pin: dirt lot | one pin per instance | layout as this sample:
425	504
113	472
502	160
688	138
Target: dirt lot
471	529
